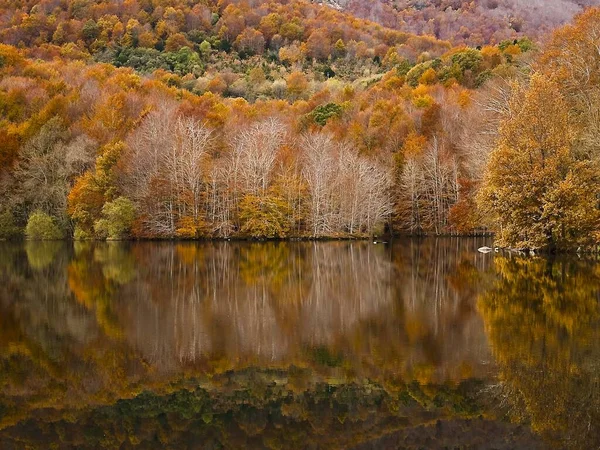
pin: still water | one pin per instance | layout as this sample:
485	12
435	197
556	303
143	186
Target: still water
415	344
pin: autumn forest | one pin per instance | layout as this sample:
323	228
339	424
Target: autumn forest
189	119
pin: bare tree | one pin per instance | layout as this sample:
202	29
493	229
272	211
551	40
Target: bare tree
254	152
348	193
220	199
186	163
41	175
480	125
80	154
364	195
428	189
411	196
440	185
319	171
165	170
143	175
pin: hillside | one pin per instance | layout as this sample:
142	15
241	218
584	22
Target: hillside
477	22
241	119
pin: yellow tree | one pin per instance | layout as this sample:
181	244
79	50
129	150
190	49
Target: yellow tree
572	59
538	194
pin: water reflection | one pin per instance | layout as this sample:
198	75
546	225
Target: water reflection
543	320
395	336
360	307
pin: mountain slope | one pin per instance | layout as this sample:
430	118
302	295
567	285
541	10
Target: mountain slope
476	22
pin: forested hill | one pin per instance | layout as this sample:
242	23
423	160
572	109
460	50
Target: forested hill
185	119
477	22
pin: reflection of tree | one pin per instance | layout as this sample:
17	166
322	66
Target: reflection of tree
53	349
107	320
95	274
41	254
118	264
376	308
435	280
543	321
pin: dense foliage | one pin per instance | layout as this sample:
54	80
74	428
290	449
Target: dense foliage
305	145
260	119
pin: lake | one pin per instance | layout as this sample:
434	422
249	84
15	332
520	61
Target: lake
420	343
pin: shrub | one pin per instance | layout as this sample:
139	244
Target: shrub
41	226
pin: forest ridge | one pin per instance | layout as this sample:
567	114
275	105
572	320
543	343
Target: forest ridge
173	119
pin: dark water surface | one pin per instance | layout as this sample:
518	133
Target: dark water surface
415	344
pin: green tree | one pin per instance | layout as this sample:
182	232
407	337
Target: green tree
117	219
205	48
90	30
468	59
322	113
415	73
8	228
41	226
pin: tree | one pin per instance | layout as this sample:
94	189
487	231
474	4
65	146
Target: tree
297	84
176	42
267	216
42	175
322	113
94	188
572	60
117	219
185	165
428	186
538	194
205	48
318	168
8	228
318	45
90	31
339	49
364	193
254	152
428	77
250	41
42	227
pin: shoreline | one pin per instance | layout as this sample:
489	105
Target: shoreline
383	239
377	239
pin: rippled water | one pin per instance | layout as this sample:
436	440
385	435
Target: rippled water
415	344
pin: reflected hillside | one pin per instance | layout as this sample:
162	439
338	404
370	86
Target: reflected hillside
257	409
95	322
543	321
